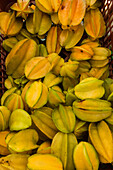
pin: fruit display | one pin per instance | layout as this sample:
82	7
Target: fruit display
57	109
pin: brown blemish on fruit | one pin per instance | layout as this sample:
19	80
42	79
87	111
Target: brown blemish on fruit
62	7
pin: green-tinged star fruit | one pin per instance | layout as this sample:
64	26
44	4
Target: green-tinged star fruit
55	96
62	146
19	120
24	140
9	82
70	96
42	118
70	69
90	87
51	79
7	93
108	84
81	129
109	119
85	157
38	22
92	110
64	118
36	95
9	43
41	50
69	82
